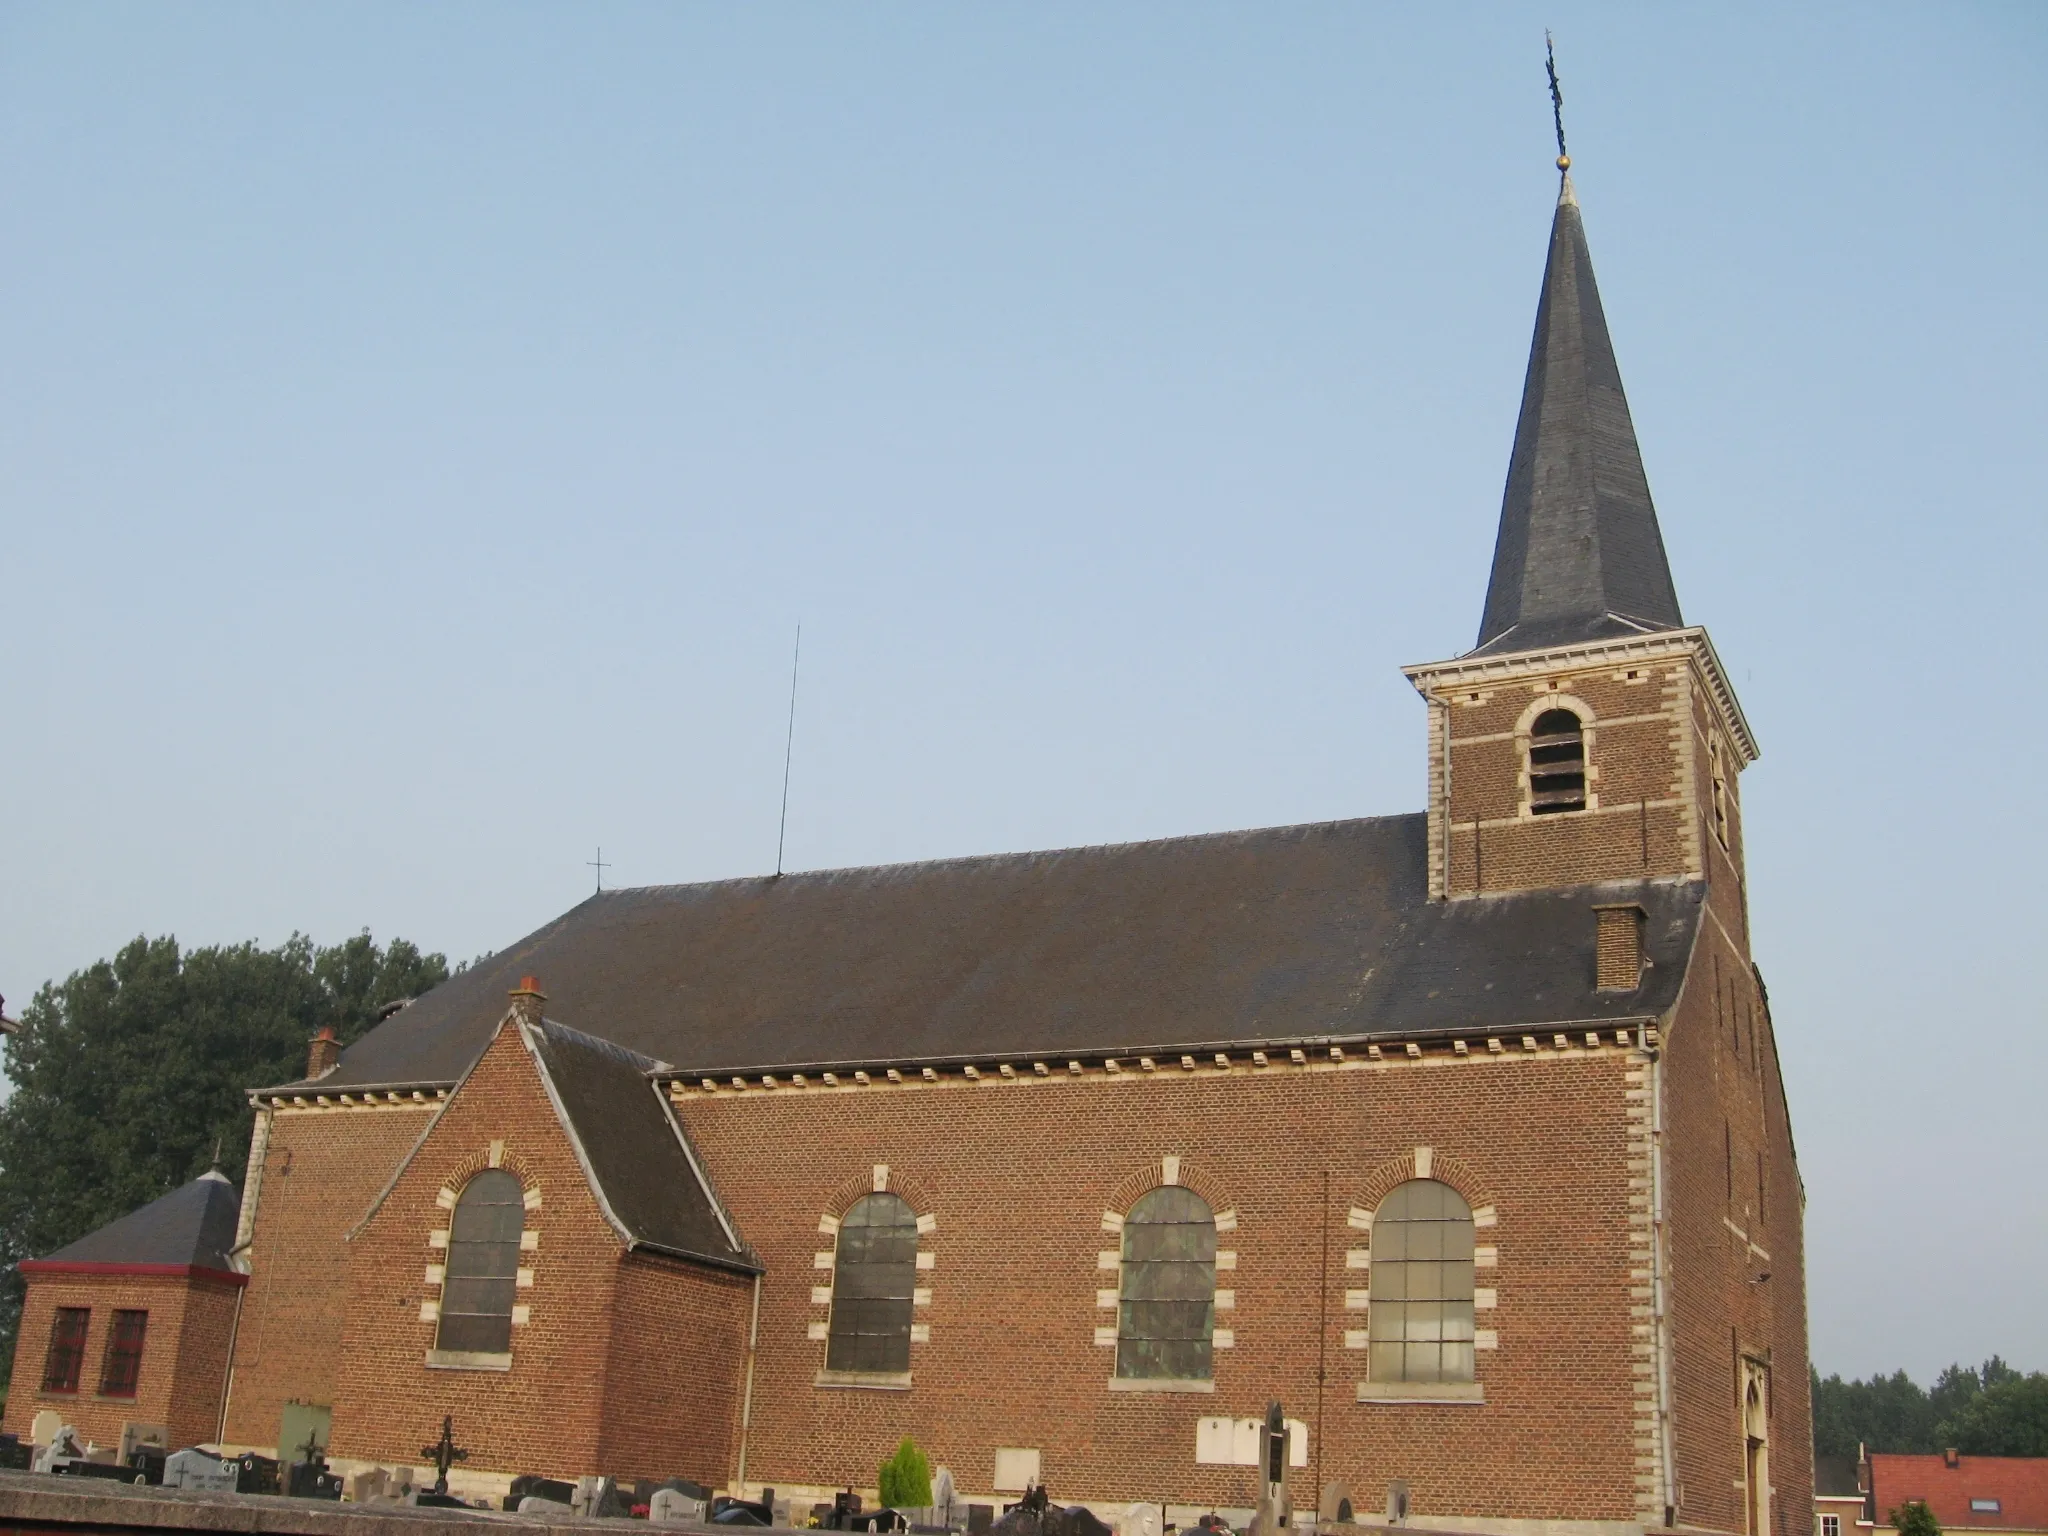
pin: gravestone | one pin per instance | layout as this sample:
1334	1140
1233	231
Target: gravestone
669	1506
61	1447
1397	1501
1334	1508
367	1487
43	1427
197	1469
1139	1520
135	1437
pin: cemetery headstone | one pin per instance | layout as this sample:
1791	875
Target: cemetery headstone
259	1473
1139	1520
444	1453
201	1471
980	1518
670	1506
367	1486
1397	1501
14	1456
42	1429
1334	1507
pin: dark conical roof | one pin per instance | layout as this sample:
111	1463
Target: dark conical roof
193	1226
1579	555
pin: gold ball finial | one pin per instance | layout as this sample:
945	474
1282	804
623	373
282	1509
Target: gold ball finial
1564	162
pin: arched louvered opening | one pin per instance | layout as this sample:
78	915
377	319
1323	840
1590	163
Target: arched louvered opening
1557	763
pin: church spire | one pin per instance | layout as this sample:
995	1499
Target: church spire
1579	555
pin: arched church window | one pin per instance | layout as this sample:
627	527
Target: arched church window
483	1265
1166	1298
1557	763
1419	1321
874	1271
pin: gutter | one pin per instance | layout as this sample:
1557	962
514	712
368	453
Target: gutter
747	1397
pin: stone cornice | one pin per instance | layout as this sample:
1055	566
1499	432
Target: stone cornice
1692	643
1578	1037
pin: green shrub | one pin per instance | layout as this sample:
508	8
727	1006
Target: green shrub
906	1480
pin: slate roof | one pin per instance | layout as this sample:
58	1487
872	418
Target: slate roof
1579	555
1834	1477
633	1147
1230	940
191	1227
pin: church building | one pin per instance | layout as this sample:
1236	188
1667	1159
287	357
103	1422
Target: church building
1460	1132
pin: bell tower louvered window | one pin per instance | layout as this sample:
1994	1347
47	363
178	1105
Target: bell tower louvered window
1557	763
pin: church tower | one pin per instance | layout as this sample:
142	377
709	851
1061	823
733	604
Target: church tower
1591	735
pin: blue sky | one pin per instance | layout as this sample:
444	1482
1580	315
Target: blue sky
423	428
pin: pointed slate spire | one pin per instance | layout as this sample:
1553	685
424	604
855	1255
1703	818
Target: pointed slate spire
1579	555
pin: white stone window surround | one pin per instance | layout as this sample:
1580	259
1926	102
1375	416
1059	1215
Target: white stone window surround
1485	1298
436	1272
824	1262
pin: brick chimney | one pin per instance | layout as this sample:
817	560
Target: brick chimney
323	1052
1618	948
527	998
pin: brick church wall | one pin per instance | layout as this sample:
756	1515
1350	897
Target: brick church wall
1735	1212
544	1414
1016	1177
321	1169
184	1358
673	1377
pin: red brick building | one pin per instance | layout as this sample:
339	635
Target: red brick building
1460	1133
132	1324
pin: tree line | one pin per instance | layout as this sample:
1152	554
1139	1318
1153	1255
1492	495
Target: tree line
1993	1410
127	1075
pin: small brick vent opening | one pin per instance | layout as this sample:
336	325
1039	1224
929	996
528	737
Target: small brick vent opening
1618	948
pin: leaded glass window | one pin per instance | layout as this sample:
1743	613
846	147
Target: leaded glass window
483	1265
1419	1325
1166	1300
873	1274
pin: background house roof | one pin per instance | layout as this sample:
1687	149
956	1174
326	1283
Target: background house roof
1225	941
191	1227
2019	1484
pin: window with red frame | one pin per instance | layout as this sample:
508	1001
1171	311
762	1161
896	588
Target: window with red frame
67	1349
122	1367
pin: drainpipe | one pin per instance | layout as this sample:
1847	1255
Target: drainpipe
1657	1298
747	1397
227	1382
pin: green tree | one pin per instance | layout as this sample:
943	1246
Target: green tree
906	1478
128	1073
1913	1518
2008	1417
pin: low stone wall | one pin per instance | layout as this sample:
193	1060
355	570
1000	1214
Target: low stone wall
34	1502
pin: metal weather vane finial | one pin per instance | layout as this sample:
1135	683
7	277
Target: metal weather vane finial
1564	160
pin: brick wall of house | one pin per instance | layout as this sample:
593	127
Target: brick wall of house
1016	1176
184	1356
321	1169
1640	779
544	1414
673	1378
